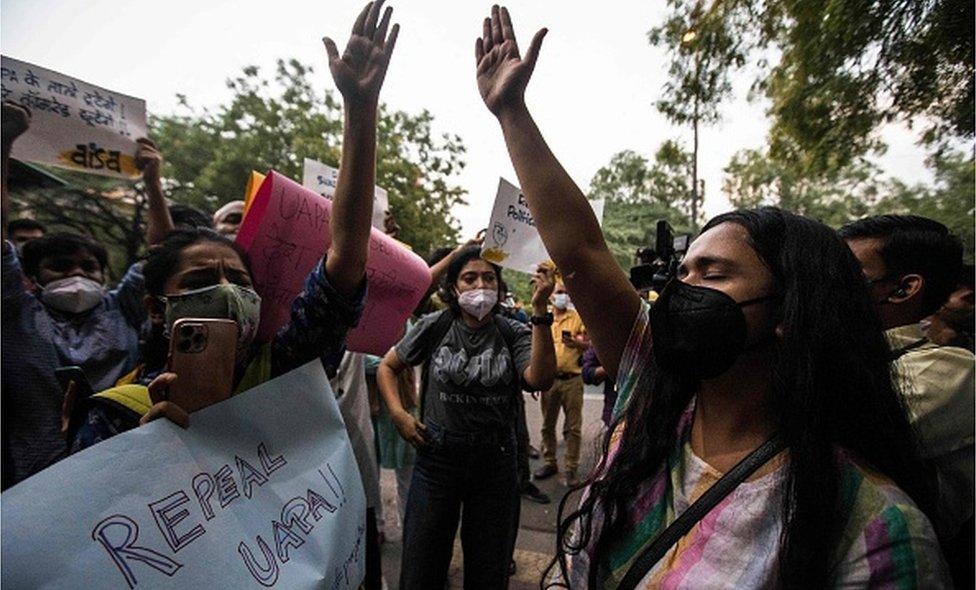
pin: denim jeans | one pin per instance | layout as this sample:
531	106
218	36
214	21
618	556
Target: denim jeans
466	478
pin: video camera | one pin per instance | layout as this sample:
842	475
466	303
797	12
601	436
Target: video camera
657	265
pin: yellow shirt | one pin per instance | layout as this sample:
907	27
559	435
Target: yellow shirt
567	359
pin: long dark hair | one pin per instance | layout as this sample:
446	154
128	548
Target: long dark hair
454	269
160	263
832	387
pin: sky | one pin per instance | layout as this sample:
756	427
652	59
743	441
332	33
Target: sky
592	93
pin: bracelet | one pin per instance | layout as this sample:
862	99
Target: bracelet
541	320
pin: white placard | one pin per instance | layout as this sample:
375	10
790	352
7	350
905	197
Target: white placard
512	240
322	179
73	124
260	490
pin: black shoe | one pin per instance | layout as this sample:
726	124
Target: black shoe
534	453
530	492
545	471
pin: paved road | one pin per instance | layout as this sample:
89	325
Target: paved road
537	530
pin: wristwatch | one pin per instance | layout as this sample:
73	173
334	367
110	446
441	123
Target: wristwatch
541	320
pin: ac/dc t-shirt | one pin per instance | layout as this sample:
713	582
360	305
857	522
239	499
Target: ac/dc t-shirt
472	377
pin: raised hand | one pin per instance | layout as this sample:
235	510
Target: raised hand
148	160
359	73
16	120
544	286
502	73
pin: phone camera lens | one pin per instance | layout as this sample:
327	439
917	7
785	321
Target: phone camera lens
186	331
184	345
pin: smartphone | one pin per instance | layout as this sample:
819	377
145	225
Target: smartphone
74	374
202	354
74	405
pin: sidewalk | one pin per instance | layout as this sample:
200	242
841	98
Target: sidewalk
536	541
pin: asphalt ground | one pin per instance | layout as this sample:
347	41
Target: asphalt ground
536	541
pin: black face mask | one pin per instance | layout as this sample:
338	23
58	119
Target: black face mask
698	332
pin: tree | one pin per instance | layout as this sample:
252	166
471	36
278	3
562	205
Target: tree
949	200
839	69
704	47
276	124
857	190
754	178
847	67
110	210
638	193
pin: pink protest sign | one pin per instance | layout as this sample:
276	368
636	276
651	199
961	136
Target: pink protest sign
286	232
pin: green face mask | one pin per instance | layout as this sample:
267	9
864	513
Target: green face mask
223	302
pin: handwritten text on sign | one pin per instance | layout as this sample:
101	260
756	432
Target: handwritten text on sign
73	124
242	499
322	179
512	240
286	232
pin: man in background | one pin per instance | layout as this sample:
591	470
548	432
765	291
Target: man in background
569	338
912	265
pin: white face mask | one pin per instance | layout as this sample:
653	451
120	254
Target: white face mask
478	302
72	294
560	300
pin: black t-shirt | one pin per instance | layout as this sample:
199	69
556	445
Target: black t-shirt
472	377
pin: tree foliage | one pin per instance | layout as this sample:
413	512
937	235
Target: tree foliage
110	210
638	193
856	190
275	124
838	69
704	48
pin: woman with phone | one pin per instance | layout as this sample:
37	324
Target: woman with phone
201	274
765	340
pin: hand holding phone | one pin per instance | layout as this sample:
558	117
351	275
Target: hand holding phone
76	389
567	338
202	354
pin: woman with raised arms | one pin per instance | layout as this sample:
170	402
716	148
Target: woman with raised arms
765	334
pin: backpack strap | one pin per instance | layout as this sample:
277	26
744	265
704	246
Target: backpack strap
442	325
508	335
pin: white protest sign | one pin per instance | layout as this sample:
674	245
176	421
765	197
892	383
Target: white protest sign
322	179
512	240
261	490
74	124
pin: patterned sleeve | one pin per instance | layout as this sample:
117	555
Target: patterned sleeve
129	294
320	320
887	542
632	373
898	549
13	278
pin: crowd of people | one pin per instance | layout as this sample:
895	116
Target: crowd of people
822	379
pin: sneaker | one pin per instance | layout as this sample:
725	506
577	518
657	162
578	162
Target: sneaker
545	471
530	492
570	480
534	453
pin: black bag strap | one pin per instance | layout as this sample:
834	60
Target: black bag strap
438	331
712	496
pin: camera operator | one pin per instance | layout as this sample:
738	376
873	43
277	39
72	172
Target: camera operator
912	265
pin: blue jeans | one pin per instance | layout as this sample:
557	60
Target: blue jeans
473	475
